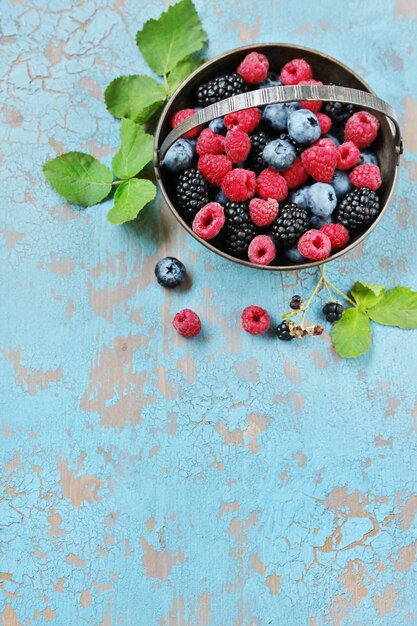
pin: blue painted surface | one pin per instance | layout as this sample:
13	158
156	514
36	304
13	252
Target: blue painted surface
225	481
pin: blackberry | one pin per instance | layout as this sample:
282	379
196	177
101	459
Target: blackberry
192	192
298	147
358	209
296	302
239	230
283	332
258	142
339	112
220	88
332	311
291	223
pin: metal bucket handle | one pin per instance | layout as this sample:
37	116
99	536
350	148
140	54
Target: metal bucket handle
288	93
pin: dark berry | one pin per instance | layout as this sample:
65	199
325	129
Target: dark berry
258	140
170	272
339	112
220	88
358	209
283	332
295	303
292	222
239	230
332	311
192	192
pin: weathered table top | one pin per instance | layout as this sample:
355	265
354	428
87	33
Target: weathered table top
225	481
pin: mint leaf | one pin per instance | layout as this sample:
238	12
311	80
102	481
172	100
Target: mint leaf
367	294
398	307
129	199
180	72
136	97
135	150
352	333
79	178
176	34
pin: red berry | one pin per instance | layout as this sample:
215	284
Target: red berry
271	184
366	175
295	71
261	250
295	175
337	234
182	115
255	320
246	120
311	105
214	167
239	184
254	68
361	128
209	220
209	142
349	155
325	122
320	160
314	245
237	145
187	323
263	212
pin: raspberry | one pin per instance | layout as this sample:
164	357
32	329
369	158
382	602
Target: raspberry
295	175
337	234
239	184
246	120
366	175
314	245
209	220
182	115
263	212
254	68
320	160
187	323
295	71
349	155
255	320
261	250
362	129
325	122
214	167
271	184
209	143
237	145
311	105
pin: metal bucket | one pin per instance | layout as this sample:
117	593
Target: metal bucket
346	86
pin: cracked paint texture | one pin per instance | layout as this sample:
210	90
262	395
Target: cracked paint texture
227	481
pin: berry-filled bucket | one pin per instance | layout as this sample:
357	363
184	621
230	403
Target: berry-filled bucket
241	227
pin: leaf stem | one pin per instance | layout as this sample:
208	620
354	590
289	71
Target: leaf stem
329	284
117	182
320	283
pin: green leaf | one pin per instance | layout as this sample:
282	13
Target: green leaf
136	97
398	307
367	294
130	198
352	333
135	150
79	178
180	72
175	35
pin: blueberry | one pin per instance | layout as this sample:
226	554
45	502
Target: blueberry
217	126
179	156
341	183
321	199
294	256
317	222
303	127
276	115
221	198
299	197
368	157
332	138
170	272
279	154
272	80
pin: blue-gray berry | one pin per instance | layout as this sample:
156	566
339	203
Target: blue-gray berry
179	156
321	199
221	198
279	154
317	222
368	157
276	115
170	272
272	80
218	126
293	255
303	126
299	197
341	183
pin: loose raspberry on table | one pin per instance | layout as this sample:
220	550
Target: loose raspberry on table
239	184
271	184
294	71
263	212
296	175
182	115
255	320
261	250
209	142
246	120
320	160
325	122
362	128
311	105
314	245
254	68
209	220
366	175
349	155
214	167
338	235
187	323
237	145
